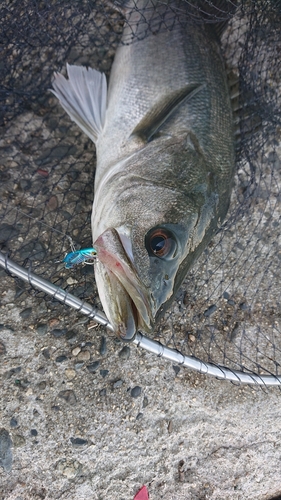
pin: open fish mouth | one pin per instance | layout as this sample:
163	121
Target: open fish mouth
126	301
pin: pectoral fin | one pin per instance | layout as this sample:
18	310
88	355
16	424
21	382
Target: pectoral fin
157	116
83	96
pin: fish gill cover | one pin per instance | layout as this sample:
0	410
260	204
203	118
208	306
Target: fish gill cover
227	311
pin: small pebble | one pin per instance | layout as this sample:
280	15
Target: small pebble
139	416
57	332
42	328
68	395
19	291
136	391
125	352
76	351
145	402
13	371
93	366
6	327
231	302
210	311
78	441
68	468
71	336
79	365
26	313
104	373
6	457
42	385
7	232
33	432
41	370
2	349
176	369
52	204
117	384
103	346
102	392
70	374
42	172
53	322
84	356
235	331
181	471
226	295
186	299
71	281
61	359
243	306
13	422
25	185
46	353
18	440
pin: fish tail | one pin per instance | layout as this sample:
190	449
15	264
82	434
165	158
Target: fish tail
83	96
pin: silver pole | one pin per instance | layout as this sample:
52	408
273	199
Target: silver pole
220	372
53	290
140	340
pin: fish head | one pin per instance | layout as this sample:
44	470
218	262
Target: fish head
149	229
135	274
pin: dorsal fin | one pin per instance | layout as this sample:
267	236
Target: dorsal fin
83	96
160	112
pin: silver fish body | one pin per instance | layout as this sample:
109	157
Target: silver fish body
165	160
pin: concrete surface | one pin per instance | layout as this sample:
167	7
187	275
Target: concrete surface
185	436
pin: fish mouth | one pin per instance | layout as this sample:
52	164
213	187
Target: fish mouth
126	301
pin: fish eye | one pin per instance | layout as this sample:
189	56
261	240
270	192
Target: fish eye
161	243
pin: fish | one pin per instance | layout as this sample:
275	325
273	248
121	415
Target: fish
164	137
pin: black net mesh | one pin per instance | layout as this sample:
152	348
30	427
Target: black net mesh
228	310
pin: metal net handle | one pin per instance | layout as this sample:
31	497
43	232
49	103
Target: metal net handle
140	340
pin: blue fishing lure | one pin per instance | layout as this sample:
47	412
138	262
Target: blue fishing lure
79	257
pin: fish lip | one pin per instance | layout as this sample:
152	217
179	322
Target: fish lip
114	259
129	337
